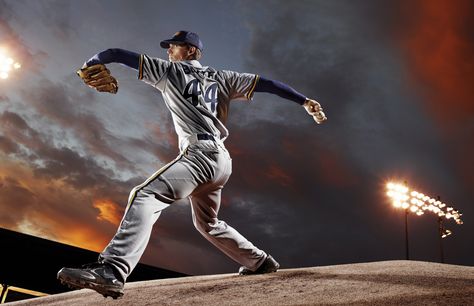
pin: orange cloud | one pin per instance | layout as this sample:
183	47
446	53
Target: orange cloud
37	206
79	235
44	225
84	238
108	211
278	174
439	51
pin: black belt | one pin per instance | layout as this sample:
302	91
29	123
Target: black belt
205	137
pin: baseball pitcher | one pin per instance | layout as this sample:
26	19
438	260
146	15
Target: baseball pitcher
198	98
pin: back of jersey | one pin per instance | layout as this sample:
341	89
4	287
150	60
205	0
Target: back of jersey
198	97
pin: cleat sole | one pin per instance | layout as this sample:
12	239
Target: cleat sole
81	284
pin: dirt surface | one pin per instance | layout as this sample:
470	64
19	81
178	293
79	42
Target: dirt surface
377	283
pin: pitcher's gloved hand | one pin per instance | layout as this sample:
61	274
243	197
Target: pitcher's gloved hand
98	77
315	110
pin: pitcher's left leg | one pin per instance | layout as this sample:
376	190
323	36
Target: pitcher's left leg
205	207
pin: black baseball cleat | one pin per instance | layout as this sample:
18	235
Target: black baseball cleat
97	276
269	265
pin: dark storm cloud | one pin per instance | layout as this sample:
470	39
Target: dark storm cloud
16	123
330	52
71	111
17	131
8	146
66	164
308	194
58	103
57	16
60	190
376	130
51	163
55	163
292	220
325	52
68	105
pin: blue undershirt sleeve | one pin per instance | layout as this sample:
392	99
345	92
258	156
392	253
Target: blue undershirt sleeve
115	55
280	89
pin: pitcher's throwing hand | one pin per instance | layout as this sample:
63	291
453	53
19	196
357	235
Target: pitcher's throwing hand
315	110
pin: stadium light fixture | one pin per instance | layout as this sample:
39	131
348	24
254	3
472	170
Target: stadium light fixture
419	203
7	64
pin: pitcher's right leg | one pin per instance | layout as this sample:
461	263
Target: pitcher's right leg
146	201
120	257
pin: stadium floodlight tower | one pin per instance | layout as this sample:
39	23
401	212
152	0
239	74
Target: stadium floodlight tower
418	203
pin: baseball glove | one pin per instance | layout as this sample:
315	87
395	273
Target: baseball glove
98	77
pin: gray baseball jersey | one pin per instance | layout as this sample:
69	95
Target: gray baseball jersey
198	97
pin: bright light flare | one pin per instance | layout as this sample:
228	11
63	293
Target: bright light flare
417	202
7	64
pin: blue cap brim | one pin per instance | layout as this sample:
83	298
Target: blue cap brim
165	44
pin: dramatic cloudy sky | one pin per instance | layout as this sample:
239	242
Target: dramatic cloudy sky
395	79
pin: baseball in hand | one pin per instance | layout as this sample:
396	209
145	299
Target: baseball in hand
315	110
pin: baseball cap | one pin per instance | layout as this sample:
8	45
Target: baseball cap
181	37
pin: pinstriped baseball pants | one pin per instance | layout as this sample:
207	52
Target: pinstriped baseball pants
199	173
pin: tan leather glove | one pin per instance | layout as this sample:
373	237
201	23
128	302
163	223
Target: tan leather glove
98	77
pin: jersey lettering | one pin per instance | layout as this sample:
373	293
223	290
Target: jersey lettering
208	72
193	91
211	96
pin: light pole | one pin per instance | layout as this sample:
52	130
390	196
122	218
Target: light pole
418	203
443	233
400	197
407	256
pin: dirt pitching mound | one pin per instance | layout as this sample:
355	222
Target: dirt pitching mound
376	283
